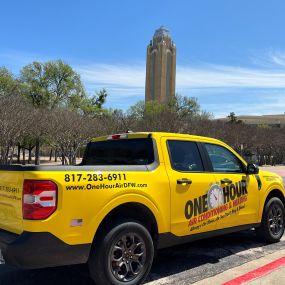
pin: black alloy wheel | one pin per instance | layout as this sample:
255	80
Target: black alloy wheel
122	254
127	257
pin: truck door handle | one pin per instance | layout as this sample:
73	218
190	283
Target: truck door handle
184	181
226	181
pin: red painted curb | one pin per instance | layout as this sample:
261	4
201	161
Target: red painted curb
257	273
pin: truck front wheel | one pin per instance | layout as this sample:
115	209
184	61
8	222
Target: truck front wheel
272	224
122	255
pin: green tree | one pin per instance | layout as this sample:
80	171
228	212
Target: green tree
8	85
52	84
180	106
94	105
142	109
35	85
100	98
64	84
137	110
233	119
184	106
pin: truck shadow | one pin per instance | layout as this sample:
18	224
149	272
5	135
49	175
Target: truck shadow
200	259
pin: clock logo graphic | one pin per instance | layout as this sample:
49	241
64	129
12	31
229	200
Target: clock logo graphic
215	196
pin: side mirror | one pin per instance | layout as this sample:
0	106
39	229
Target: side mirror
252	169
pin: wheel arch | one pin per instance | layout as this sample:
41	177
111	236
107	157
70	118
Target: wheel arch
275	192
130	211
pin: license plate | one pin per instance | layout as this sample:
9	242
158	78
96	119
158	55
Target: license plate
2	261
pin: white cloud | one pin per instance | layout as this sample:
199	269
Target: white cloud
119	75
278	58
206	76
213	76
249	89
132	76
269	60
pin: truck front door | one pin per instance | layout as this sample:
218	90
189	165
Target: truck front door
190	185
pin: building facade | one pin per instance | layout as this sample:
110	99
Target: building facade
160	67
275	121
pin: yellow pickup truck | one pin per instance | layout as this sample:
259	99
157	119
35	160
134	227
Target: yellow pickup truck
132	194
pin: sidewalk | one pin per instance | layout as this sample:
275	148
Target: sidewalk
269	269
270	273
277	277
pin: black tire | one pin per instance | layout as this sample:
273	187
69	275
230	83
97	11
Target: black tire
121	255
272	225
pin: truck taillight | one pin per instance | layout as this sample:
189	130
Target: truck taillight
39	199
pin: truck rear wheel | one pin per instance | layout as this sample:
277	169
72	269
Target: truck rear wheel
122	255
272	224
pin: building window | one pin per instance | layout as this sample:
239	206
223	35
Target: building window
168	74
152	75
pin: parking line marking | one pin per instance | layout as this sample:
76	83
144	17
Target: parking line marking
257	273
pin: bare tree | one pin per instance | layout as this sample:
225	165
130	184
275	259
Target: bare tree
16	119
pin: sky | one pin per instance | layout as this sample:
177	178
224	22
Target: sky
230	53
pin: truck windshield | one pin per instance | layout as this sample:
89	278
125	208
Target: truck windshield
120	152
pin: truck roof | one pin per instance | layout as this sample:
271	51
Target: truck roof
135	135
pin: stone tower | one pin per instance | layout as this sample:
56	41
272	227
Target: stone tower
160	67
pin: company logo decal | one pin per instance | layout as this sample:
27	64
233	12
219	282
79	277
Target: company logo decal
216	204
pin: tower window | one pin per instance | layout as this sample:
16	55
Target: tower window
152	75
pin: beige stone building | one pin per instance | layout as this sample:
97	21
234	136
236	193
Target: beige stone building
275	121
270	120
160	67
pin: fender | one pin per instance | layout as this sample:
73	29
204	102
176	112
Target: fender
130	198
274	186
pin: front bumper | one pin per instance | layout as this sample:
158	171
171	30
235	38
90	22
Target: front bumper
31	250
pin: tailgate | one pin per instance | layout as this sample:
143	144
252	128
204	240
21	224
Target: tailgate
11	186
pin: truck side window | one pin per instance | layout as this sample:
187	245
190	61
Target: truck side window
223	160
185	156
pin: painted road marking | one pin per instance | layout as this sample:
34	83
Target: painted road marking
257	273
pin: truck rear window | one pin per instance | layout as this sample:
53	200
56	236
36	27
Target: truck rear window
120	152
